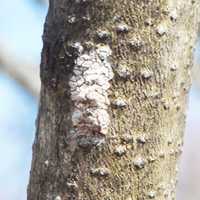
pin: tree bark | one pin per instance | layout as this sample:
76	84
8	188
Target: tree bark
115	77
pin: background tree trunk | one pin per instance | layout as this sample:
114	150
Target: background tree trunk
115	77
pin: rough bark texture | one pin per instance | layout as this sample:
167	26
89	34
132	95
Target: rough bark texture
115	78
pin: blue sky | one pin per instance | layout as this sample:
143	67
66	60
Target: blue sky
17	116
21	25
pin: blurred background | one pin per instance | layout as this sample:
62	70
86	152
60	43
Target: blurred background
21	26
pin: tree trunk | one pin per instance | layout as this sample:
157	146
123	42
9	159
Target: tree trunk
115	78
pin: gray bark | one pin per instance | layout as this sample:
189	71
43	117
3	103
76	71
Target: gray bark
115	78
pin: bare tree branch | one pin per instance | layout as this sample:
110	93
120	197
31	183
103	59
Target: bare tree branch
42	1
25	73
